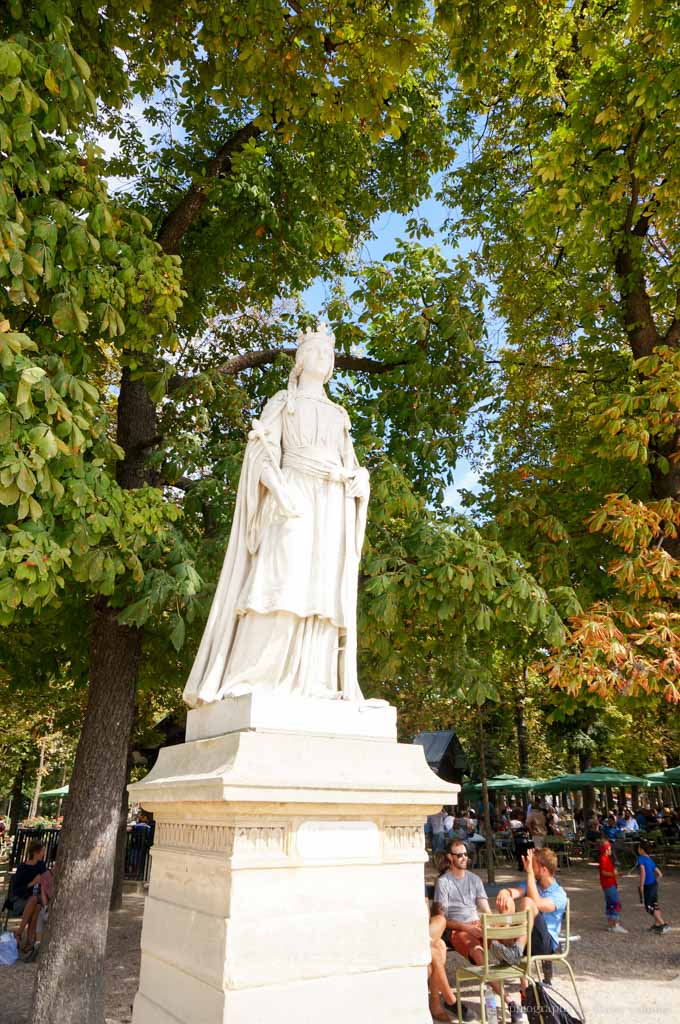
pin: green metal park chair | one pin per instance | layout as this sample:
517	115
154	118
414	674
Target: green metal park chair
504	928
561	957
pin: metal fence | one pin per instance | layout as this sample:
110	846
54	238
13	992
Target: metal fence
137	859
138	842
49	837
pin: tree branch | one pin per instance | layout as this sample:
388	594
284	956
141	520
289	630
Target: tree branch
249	360
178	220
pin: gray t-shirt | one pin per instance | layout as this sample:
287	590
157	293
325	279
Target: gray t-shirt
458	896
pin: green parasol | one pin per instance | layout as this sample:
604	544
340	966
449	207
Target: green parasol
672	775
62	791
599	777
500	783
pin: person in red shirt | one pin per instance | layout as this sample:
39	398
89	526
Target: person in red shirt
609	883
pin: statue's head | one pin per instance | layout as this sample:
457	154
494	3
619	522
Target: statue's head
315	350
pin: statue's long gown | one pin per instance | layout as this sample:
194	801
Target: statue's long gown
284	613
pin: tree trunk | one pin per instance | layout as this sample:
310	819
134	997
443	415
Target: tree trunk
69	985
488	847
38	779
121	846
635	797
585	762
521	726
16	801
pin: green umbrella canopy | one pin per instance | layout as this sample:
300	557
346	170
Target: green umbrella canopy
672	775
558	784
502	783
598	777
611	777
656	779
62	791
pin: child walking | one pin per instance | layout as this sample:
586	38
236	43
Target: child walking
610	888
650	875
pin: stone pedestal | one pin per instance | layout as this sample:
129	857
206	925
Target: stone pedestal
287	876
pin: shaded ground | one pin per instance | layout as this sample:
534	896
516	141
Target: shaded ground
627	979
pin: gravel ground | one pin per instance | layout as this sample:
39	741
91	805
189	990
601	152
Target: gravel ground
627	979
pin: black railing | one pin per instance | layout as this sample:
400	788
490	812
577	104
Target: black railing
49	837
138	842
137	859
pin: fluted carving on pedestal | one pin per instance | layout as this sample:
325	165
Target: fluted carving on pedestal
404	837
227	839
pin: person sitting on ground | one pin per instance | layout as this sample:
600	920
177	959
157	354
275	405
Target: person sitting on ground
438	984
610	888
24	900
546	901
650	876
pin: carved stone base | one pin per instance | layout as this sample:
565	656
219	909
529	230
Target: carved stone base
263	711
287	882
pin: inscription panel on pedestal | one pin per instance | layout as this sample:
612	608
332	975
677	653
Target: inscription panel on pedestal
338	840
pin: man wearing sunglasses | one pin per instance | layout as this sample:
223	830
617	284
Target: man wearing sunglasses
462	897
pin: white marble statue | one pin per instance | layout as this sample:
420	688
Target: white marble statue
284	614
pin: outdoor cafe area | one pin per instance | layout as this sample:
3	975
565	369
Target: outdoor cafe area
577	807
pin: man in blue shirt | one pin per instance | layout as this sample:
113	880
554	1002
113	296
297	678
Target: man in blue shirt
546	902
610	829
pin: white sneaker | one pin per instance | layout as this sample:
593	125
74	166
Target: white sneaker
619	928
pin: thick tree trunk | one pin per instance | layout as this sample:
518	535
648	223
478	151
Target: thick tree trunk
121	846
69	986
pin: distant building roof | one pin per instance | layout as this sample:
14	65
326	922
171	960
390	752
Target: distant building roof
435	745
444	754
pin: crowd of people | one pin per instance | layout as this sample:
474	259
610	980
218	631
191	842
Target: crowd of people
613	825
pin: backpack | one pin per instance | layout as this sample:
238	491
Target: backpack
551	1008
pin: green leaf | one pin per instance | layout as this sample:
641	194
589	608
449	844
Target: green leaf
177	635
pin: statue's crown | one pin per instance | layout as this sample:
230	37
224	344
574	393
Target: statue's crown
322	333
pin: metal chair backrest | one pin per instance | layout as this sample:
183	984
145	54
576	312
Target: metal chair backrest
566	925
504	927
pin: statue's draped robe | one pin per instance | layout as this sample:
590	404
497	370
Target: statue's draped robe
284	613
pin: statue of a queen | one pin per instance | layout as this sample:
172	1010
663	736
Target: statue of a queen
283	618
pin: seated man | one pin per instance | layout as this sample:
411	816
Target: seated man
610	829
24	902
546	902
461	897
